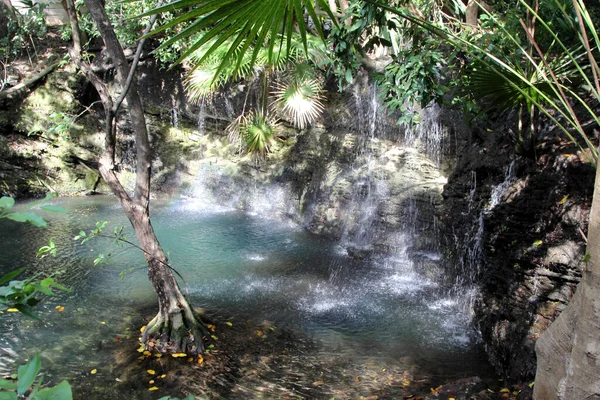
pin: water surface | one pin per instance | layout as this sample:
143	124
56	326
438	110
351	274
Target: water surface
240	266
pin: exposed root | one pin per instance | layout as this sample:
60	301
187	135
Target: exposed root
178	331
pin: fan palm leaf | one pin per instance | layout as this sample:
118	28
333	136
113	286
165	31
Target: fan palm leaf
245	25
206	78
254	132
299	97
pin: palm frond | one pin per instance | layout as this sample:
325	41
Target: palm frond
243	24
206	77
299	97
254	132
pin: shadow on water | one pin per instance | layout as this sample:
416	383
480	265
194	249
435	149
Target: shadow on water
329	323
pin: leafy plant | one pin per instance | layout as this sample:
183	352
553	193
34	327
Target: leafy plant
25	26
255	132
241	22
27	385
550	84
414	77
298	97
23	295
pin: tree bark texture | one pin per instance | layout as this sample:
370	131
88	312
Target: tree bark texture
568	351
176	325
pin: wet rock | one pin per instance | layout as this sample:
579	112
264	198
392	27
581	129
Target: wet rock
513	227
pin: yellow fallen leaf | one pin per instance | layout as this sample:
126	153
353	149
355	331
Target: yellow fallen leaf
406	383
103	323
564	200
228	323
158	355
163	376
356	379
118	380
151	371
12	310
93	371
190	359
147	353
153	388
151	382
200	359
505	390
259	333
175	355
59	308
142	328
532	384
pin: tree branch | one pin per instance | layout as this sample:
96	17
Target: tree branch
17	89
136	60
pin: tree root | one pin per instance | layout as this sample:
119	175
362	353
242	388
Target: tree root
180	330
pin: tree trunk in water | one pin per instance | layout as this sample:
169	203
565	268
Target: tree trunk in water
568	351
176	325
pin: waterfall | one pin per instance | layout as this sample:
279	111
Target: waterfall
174	117
499	190
202	117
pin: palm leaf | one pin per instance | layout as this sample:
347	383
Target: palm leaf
298	98
243	24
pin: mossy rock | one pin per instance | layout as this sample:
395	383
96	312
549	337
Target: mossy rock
58	95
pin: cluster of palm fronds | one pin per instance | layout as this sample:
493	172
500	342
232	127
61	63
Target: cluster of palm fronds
560	81
253	131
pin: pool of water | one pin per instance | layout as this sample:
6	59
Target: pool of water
240	266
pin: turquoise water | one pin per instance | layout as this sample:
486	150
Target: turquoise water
240	266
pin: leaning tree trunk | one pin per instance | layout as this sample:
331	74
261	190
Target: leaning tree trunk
568	352
176	325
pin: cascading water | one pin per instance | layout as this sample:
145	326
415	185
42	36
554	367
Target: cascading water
202	117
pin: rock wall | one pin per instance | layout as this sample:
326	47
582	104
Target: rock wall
514	229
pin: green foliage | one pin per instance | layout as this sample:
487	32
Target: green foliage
212	73
23	295
27	385
555	79
247	24
298	97
7	204
25	26
415	76
254	131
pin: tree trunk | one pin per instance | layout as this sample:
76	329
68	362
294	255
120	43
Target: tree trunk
176	325
568	351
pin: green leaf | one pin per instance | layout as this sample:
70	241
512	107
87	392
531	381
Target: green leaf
54	209
62	391
349	76
28	216
6	384
8	396
6	203
27	311
50	282
8	277
26	374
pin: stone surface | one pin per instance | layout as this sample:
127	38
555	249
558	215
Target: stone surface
513	228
